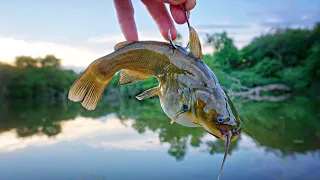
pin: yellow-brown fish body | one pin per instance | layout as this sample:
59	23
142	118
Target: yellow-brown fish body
196	87
190	93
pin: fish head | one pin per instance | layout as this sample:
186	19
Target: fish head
218	116
214	110
221	131
217	113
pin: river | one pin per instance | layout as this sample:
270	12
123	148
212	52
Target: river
130	139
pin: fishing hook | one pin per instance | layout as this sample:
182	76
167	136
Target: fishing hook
187	19
170	39
183	6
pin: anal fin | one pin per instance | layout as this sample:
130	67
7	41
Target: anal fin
130	76
148	93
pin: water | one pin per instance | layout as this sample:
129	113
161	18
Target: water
130	139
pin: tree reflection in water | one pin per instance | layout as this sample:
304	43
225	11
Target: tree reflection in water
283	128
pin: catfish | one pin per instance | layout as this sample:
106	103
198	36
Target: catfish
190	93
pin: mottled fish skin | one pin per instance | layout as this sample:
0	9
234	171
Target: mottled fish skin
190	93
183	79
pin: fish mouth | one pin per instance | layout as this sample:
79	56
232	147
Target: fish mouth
225	130
221	131
234	128
224	133
234	133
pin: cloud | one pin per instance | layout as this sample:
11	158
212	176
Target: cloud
285	14
77	69
106	39
70	54
221	26
106	132
113	39
273	20
115	134
151	141
241	36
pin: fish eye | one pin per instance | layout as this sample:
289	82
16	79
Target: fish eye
220	119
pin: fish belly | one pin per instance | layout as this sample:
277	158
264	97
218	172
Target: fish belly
171	104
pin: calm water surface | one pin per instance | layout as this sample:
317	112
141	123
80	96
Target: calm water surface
130	139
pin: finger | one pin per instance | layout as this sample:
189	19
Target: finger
125	16
173	2
190	4
162	18
178	14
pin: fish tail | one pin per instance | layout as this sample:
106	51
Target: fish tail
89	87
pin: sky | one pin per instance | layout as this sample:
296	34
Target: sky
80	31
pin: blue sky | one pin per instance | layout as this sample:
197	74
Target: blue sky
79	31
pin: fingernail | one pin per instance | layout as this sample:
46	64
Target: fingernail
176	2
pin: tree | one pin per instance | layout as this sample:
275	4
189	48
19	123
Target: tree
226	53
50	61
25	61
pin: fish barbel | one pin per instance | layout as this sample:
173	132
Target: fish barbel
189	92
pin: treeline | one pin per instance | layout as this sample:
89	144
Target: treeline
285	56
35	78
288	56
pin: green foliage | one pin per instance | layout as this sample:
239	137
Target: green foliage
26	61
226	53
290	46
296	77
36	78
268	67
313	65
290	56
50	61
278	125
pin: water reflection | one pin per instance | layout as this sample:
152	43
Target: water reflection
283	128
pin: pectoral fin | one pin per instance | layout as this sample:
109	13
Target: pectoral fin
129	76
183	109
195	45
148	93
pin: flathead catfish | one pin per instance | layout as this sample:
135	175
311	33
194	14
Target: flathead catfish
189	92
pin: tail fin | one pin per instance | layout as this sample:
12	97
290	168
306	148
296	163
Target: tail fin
89	87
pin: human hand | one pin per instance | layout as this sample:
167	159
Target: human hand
159	13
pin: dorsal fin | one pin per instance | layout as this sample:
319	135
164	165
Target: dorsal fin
195	45
129	76
122	44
